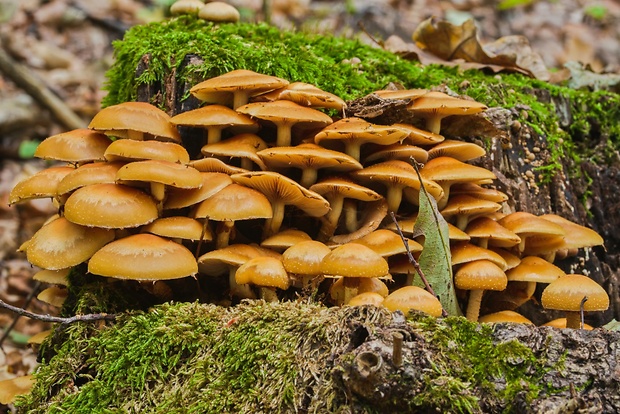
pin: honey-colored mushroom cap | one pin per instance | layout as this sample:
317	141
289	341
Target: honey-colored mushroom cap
131	150
413	298
78	145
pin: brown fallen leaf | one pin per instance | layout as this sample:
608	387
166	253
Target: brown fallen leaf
451	43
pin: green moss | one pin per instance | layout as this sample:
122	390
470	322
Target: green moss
466	360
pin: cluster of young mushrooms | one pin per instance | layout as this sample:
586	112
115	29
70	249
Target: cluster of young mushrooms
287	198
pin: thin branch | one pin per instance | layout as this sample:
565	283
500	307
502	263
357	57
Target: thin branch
57	319
581	316
29	298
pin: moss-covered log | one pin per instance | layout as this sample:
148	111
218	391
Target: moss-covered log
298	357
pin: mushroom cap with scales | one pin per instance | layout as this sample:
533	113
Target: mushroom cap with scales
409	298
111	206
234	88
285	115
354	260
263	271
76	146
567	292
143	257
304	258
135	120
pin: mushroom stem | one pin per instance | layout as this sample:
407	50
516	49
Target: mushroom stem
223	233
353	149
351	285
473	305
433	123
135	135
308	177
573	319
443	201
350	215
246	164
268	294
158	191
394	197
240	98
461	222
284	135
272	225
240	291
483	242
214	134
330	221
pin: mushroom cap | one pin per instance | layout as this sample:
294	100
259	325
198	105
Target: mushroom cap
366	298
43	184
534	269
407	225
210	164
218	11
332	186
285	239
359	130
388	243
212	182
526	224
88	174
448	169
139	117
304	258
402	94
480	275
39	337
217	262
567	292
308	156
240	146
278	187
459	150
54	295
180	7
442	104
467	252
304	94
112	206
235	202
495	233
464	205
418	136
214	115
61	244
286	112
131	150
178	227
354	260
511	260
476	190
78	145
370	284
219	89
54	277
143	256
413	298
398	151
561	323
11	388
576	236
505	316
163	172
263	271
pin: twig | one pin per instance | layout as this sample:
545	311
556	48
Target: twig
57	319
36	88
412	259
581	305
29	298
397	349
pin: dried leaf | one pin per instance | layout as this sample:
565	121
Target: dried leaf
435	259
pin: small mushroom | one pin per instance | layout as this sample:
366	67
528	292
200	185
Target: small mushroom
215	118
267	273
77	146
505	316
478	276
220	12
434	106
413	298
130	150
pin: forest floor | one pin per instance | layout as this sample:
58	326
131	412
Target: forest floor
67	44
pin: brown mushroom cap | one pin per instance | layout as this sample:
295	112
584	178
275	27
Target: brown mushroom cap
244	146
467	252
215	118
218	262
235	87
527	225
178	227
54	295
478	276
396	176
87	174
576	236
366	298
304	94
460	150
417	136
463	207
112	206
61	244
131	150
398	151
561	323
134	120
354	260
364	285
534	269
212	182
43	184
304	258
11	388
447	170
354	132
286	114
285	239
476	190
217	166
78	145
434	106
180	7
388	243
54	277
490	232
263	271
309	158
218	11
413	298
402	94
143	257
505	316
281	191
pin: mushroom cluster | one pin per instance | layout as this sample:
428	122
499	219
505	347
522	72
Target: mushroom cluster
286	198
